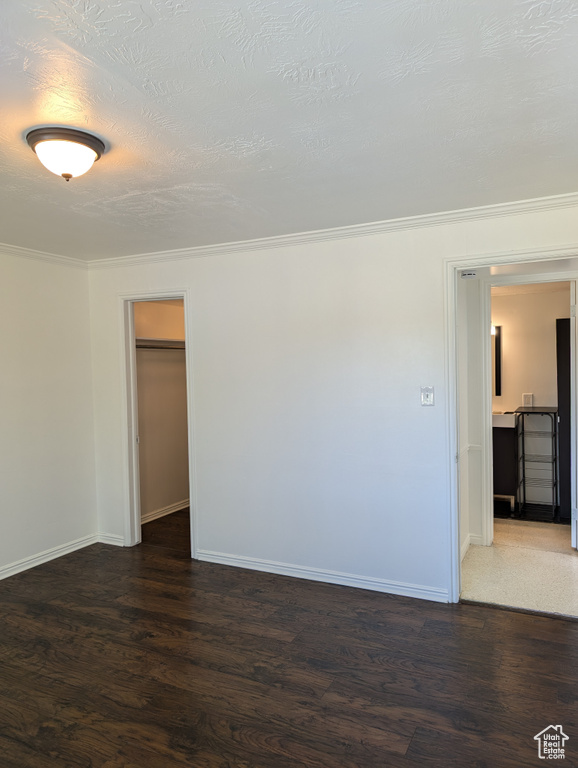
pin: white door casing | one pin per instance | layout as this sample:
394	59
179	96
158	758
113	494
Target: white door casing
525	267
132	522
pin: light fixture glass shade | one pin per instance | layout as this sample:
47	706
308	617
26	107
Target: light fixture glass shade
66	152
65	158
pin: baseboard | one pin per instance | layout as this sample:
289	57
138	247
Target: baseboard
331	577
108	538
156	513
46	556
472	540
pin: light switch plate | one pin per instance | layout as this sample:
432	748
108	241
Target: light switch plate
427	395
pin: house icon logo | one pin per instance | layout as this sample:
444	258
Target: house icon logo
551	743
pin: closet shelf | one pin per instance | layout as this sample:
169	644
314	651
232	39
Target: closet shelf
537	482
142	343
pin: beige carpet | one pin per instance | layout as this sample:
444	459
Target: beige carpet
530	566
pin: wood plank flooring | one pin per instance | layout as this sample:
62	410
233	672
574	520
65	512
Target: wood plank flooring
142	658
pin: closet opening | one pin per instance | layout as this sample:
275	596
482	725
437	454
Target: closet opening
159	433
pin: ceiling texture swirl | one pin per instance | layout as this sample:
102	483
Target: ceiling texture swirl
228	121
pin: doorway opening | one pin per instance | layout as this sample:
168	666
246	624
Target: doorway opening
516	443
159	433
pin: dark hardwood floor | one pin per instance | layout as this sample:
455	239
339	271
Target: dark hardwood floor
143	658
171	532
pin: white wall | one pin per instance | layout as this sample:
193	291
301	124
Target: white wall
528	321
470	412
476	406
162	418
462	355
47	473
159	320
312	452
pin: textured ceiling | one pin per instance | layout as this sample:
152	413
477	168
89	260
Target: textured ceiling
229	121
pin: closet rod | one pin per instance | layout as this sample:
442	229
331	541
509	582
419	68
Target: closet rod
159	344
152	346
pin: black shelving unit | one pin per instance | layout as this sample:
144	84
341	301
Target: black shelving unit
538	452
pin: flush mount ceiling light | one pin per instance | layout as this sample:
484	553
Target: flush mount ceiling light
65	151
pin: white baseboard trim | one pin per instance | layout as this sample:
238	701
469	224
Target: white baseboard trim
109	538
156	513
331	577
471	540
46	556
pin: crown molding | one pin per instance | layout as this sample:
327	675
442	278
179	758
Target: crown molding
341	233
50	258
463	215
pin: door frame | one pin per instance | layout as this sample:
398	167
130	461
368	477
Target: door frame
453	269
132	521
